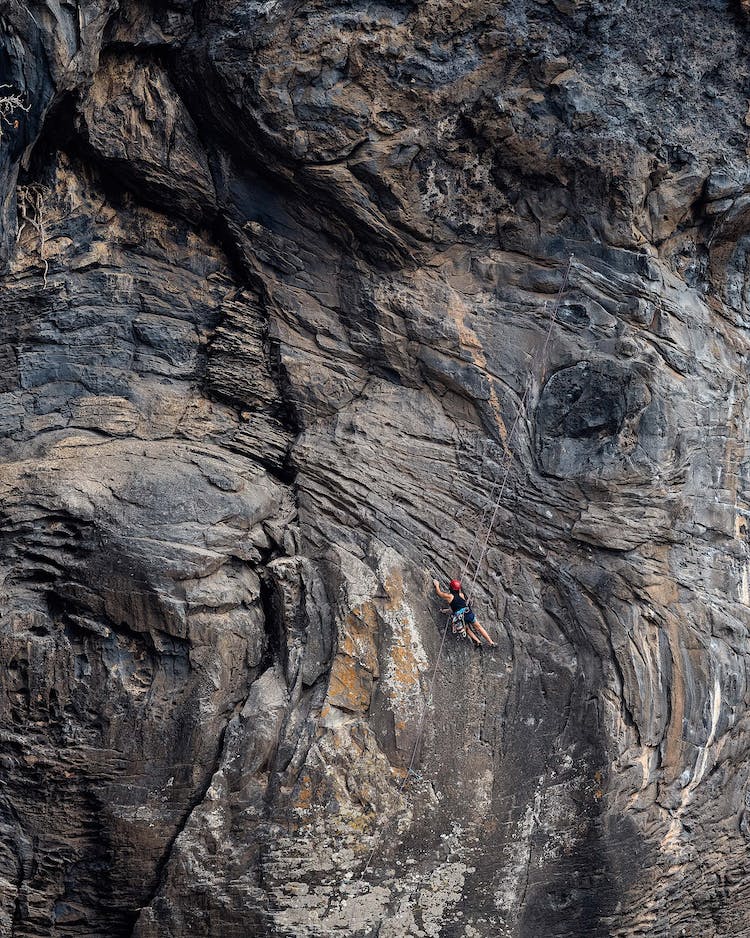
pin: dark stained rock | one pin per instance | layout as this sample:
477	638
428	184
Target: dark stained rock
588	421
296	299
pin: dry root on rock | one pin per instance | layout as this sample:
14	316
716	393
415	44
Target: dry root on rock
31	211
11	102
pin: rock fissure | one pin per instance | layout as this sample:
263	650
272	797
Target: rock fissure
159	871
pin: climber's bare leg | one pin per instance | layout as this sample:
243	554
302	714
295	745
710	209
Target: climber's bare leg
472	636
477	627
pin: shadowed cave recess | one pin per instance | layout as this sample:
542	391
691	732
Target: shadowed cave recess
278	281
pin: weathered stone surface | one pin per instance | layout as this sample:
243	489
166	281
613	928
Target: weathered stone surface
278	325
139	128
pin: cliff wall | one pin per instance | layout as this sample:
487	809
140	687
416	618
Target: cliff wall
279	281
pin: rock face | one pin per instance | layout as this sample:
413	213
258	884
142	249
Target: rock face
292	297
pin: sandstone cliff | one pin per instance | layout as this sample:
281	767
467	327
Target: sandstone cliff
278	280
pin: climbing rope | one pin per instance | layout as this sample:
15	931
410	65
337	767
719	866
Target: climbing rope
519	413
496	507
508	451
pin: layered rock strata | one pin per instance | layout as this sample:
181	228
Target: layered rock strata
291	293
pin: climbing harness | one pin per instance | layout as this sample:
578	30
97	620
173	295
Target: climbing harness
457	622
480	558
462	619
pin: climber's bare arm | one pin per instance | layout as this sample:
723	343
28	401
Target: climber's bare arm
441	594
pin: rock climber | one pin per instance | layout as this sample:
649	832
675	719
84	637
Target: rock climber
463	615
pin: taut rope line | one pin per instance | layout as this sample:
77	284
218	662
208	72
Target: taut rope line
521	405
516	422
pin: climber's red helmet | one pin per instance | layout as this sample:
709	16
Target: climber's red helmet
455	585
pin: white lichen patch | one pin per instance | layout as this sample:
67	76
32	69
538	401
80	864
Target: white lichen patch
444	890
431	195
558	823
402	924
